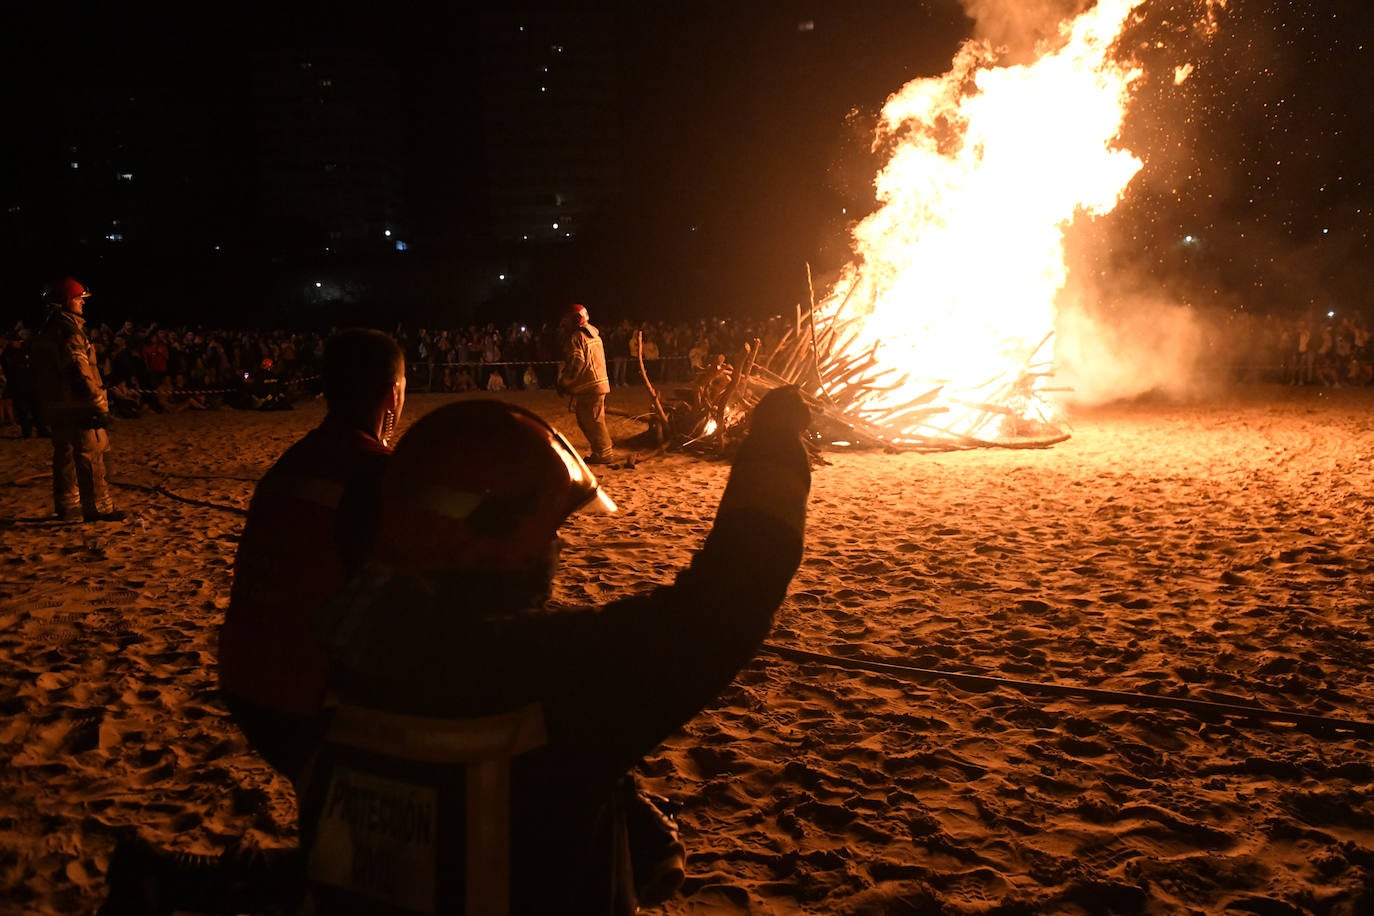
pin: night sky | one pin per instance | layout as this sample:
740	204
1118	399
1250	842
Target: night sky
746	138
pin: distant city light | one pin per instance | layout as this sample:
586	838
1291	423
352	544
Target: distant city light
555	225
386	232
318	284
400	245
75	164
806	25
1325	231
1331	314
500	276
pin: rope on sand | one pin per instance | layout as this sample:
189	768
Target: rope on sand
1204	708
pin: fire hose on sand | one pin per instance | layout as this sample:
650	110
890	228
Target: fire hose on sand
1203	708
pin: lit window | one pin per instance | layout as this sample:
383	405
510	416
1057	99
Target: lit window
400	245
75	164
126	176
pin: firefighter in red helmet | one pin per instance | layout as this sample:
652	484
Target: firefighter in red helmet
584	379
74	404
448	622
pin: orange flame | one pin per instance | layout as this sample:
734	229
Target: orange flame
953	283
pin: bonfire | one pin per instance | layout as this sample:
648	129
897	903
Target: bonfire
939	333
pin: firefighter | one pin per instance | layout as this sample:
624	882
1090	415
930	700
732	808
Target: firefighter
74	406
448	621
308	521
583	378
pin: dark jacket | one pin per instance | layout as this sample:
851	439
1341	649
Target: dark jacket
304	515
613	681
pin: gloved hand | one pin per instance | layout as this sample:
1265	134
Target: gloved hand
100	420
782	412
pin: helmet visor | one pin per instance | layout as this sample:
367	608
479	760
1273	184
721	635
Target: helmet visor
590	496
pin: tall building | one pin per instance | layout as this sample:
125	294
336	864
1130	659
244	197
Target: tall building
303	160
330	154
550	121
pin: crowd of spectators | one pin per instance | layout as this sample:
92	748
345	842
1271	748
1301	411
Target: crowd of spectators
1327	350
168	370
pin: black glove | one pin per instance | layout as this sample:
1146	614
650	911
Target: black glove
782	412
100	420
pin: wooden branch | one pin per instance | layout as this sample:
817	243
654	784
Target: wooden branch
649	386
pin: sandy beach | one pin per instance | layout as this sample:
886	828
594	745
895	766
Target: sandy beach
1211	549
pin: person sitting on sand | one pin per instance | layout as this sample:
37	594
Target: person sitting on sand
307	521
126	399
448	621
171	397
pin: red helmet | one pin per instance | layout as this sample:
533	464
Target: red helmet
576	314
480	484
66	289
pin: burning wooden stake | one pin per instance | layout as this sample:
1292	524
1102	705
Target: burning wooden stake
842	380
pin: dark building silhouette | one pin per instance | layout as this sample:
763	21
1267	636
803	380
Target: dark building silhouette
295	167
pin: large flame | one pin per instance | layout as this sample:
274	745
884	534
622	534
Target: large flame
953	283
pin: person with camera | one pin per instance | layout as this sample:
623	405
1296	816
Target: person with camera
74	405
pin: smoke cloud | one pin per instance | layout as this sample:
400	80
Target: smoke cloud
1144	346
1020	26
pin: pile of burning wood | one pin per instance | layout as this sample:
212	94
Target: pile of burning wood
818	354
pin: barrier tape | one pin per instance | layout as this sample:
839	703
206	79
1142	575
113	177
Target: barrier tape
296	381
